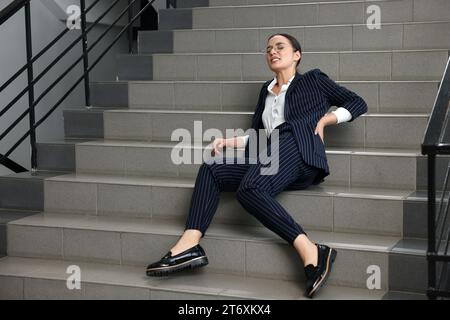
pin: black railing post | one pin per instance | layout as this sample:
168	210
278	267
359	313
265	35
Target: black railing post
431	226
87	92
130	28
32	117
171	3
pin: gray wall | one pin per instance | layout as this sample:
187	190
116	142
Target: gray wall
45	26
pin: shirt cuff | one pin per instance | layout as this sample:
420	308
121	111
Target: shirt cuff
342	115
244	139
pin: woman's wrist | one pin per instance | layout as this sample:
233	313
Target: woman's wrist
230	142
328	119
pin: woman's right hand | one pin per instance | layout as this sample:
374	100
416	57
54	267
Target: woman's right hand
218	145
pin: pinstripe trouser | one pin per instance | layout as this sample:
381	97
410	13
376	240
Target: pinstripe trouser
255	192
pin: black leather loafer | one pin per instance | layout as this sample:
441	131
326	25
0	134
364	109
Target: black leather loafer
192	258
316	277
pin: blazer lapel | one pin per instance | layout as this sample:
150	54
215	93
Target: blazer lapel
295	82
257	117
257	123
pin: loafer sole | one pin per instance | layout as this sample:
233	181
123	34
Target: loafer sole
330	260
165	271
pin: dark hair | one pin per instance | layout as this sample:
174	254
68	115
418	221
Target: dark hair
294	43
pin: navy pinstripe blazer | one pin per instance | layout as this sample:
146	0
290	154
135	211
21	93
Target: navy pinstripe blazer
308	99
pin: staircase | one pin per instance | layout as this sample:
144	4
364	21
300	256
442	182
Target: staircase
112	200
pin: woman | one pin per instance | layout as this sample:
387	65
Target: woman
296	105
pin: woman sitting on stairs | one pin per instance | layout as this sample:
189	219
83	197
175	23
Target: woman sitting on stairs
297	106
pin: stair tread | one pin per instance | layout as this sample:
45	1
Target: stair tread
7	215
37	175
354	241
219	112
66	141
398	114
250	81
445	50
311	2
199	281
189	182
334	25
329	150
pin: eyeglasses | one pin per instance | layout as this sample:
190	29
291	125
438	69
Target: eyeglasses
278	47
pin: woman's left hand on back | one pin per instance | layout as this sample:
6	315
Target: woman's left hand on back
319	130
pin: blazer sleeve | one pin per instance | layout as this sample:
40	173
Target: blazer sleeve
339	96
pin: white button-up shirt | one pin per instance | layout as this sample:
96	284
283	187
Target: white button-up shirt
273	114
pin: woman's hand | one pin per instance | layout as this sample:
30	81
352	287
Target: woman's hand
328	119
218	145
319	129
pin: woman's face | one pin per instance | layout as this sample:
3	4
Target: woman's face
280	54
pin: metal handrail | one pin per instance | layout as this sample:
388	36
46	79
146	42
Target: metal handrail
57	59
433	134
70	68
13	8
72	88
432	146
38	55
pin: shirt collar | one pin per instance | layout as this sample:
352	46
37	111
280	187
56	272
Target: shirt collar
283	87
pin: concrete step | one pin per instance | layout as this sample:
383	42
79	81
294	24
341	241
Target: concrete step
59	155
239	250
363	167
85	122
90	118
408	270
303	14
372	130
427	64
109	94
71	188
25	278
379	211
226	3
192	3
381	96
7	215
24	191
346	37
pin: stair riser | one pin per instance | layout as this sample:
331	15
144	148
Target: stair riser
56	157
379	96
219	3
22	194
385	132
415	220
308	14
338	213
346	169
418	65
408	273
192	3
324	38
111	94
83	124
18	288
2	240
251	258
